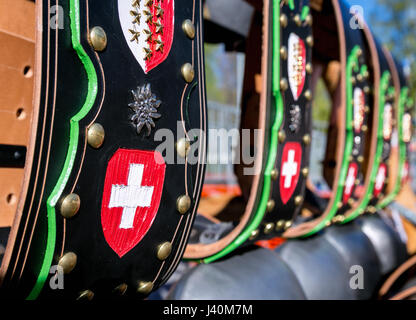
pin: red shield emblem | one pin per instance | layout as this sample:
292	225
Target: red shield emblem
380	179
296	65
131	197
350	181
289	171
148	29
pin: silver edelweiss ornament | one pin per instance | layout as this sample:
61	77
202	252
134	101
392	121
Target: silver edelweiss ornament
145	107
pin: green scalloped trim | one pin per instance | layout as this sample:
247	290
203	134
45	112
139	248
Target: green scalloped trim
273	144
402	152
384	85
72	149
352	65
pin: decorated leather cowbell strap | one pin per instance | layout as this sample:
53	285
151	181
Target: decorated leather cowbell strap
274	191
342	57
115	161
377	175
402	126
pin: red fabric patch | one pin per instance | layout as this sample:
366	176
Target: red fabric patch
380	179
290	169
350	181
271	244
131	197
167	20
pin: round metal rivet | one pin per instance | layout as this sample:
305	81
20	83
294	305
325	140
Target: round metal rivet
188	28
298	200
98	38
254	234
359	52
164	250
360	159
95	135
309	20
145	287
308	68
297	20
288	224
305	172
281	136
182	147
306	139
351	202
280	224
188	72
366	89
268	228
357	182
353	80
86	295
283	20
68	262
121	289
283	84
183	203
366	109
360	77
309	41
70	205
270	205
274	174
283	53
339	205
366	74
371	209
364	128
308	95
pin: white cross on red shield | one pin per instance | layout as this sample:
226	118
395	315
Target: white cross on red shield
289	171
131	197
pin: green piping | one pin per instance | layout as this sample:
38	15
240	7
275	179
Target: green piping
72	148
305	12
379	149
402	151
291	4
273	144
352	64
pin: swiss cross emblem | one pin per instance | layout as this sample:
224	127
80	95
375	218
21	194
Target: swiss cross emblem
350	181
296	64
289	171
148	29
131	197
380	179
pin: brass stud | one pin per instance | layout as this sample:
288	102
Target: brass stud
288	224
309	41
308	68
254	234
283	84
182	147
353	80
98	38
366	109
280	225
360	77
273	174
361	211
183	203
145	287
298	200
120	289
306	139
188	72
68	262
283	20
359	52
268	228
371	209
339	205
305	172
86	295
188	28
164	250
308	95
297	20
270	205
357	182
351	202
283	53
309	20
70	205
364	128
281	136
95	135
360	159
328	224
366	74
